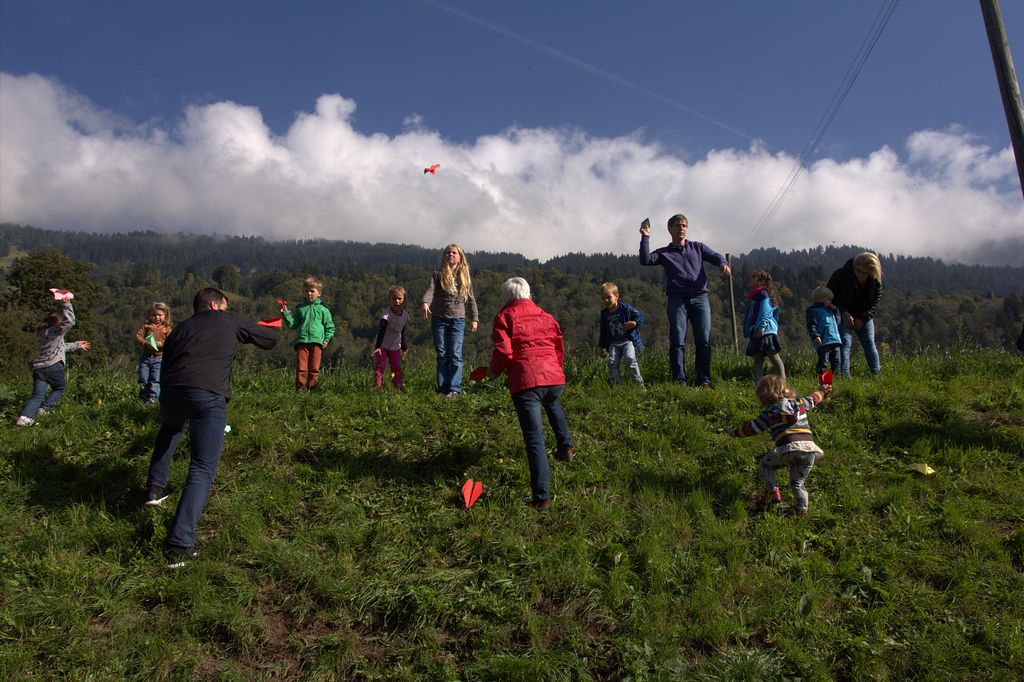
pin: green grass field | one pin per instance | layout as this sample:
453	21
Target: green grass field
336	545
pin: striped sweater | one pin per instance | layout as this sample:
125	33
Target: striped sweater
786	420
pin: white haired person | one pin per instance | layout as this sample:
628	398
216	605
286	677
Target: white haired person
528	345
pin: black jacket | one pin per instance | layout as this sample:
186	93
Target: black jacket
200	350
860	300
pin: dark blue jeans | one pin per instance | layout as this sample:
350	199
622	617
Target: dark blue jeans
696	310
528	404
448	333
206	414
830	357
149	377
51	377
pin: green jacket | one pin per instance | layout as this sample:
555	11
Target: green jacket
313	320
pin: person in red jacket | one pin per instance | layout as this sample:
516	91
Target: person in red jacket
528	345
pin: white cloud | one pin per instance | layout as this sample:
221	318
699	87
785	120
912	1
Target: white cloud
66	164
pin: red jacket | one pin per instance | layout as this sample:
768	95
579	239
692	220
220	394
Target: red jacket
528	343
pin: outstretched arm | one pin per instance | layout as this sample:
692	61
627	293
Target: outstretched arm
752	427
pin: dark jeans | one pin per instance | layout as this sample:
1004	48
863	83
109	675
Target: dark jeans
51	377
697	311
830	357
528	404
206	414
149	377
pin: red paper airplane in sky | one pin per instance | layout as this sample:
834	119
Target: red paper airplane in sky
431	169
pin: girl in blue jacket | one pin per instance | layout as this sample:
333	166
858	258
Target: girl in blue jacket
761	325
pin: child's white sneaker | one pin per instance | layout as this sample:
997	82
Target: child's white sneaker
25	421
42	412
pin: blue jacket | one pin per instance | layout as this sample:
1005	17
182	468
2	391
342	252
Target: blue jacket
761	315
823	322
611	326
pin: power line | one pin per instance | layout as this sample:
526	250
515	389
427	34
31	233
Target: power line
866	47
585	66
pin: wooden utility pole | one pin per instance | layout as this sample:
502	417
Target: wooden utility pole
1007	77
732	306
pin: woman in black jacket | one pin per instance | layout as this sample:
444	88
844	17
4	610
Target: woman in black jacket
856	289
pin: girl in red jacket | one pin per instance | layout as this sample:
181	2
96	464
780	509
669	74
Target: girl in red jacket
528	345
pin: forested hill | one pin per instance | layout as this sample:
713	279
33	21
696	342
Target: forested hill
203	254
910	274
925	303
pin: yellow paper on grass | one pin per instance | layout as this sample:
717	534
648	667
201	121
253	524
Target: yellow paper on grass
922	468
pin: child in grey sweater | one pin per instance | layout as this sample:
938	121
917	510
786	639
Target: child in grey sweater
48	367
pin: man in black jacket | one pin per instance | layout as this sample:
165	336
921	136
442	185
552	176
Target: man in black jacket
196	387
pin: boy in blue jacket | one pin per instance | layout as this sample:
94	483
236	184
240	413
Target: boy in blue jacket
823	328
620	334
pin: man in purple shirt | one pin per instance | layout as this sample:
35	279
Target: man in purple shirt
687	288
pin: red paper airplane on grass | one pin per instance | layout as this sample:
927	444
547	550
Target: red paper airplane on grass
431	169
471	491
826	378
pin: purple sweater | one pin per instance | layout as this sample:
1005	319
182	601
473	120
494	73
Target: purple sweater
684	265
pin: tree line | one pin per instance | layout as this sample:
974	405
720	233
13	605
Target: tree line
925	303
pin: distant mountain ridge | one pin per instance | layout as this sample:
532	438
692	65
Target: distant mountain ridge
925	302
202	254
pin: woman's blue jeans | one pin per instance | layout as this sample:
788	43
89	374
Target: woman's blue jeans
206	414
448	333
866	334
528	404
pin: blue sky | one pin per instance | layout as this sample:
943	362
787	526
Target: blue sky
559	125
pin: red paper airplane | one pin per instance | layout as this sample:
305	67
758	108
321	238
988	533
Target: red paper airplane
471	491
431	169
270	322
826	378
478	374
62	294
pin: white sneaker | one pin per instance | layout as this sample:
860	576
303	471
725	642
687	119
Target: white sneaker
25	421
42	412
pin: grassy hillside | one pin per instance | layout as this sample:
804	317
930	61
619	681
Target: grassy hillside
336	545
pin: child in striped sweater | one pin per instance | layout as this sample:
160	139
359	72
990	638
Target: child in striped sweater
785	417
